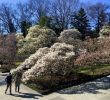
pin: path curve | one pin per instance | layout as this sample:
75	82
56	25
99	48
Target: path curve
26	93
95	90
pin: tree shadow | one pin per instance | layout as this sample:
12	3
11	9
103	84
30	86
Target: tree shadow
28	95
2	78
89	87
2	82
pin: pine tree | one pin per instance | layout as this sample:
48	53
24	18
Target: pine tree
43	21
24	27
101	21
81	22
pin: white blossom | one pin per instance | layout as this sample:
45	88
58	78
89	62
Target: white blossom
58	61
36	38
70	36
29	62
105	31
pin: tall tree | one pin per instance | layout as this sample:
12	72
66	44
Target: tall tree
7	17
81	22
24	27
97	13
108	18
43	21
101	21
39	8
61	11
25	17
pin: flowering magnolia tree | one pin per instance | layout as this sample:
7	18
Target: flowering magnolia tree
37	38
48	63
71	36
30	62
105	31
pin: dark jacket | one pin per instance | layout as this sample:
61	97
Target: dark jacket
9	79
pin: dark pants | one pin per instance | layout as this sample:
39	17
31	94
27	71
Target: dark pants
17	87
8	86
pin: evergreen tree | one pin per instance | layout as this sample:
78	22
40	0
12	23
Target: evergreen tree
81	22
24	27
53	24
101	21
50	23
43	21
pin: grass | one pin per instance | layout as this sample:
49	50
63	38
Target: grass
38	88
94	70
17	63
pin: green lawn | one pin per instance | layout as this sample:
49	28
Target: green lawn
18	63
94	70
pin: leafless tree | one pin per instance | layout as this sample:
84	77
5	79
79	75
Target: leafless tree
24	12
7	17
61	12
97	13
39	8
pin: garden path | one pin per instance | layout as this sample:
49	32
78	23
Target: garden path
26	93
95	90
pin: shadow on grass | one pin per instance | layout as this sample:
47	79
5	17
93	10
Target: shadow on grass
28	95
89	87
80	84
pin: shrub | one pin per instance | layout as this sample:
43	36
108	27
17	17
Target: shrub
71	36
98	52
105	31
91	59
